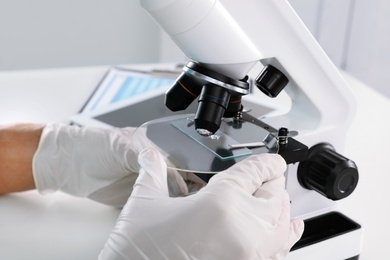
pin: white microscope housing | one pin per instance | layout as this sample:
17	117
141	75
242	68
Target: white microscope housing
239	38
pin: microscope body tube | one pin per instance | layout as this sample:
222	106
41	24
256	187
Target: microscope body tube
206	33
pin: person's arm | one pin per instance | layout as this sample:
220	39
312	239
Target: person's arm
18	144
97	163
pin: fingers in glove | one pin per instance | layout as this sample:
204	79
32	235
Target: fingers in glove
252	172
176	184
273	200
296	230
193	182
271	188
152	179
297	227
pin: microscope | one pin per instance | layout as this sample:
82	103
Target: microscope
238	51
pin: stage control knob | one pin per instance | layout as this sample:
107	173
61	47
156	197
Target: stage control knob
328	172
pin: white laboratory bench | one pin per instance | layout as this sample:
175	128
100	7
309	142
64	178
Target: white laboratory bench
58	226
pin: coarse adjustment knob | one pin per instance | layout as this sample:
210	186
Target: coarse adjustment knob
328	172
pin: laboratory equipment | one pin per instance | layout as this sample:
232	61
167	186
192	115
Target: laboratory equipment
228	44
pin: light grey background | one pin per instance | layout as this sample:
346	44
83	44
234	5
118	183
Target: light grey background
355	34
61	33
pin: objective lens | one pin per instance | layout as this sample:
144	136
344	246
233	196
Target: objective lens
204	132
213	101
234	106
181	94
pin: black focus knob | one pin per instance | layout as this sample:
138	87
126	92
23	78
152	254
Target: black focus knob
271	81
328	172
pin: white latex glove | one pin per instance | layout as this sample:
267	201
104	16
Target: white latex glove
243	213
91	162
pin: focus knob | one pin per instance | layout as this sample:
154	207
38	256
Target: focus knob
271	81
328	172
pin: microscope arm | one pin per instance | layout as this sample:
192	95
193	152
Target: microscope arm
320	97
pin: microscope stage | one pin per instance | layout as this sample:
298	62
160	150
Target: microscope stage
185	150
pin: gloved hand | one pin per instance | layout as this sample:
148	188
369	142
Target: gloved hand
243	213
91	162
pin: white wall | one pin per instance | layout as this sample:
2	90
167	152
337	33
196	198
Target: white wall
47	33
369	49
355	34
330	23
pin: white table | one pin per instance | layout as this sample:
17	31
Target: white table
368	146
59	226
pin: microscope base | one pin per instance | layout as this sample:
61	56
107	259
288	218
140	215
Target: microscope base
329	236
